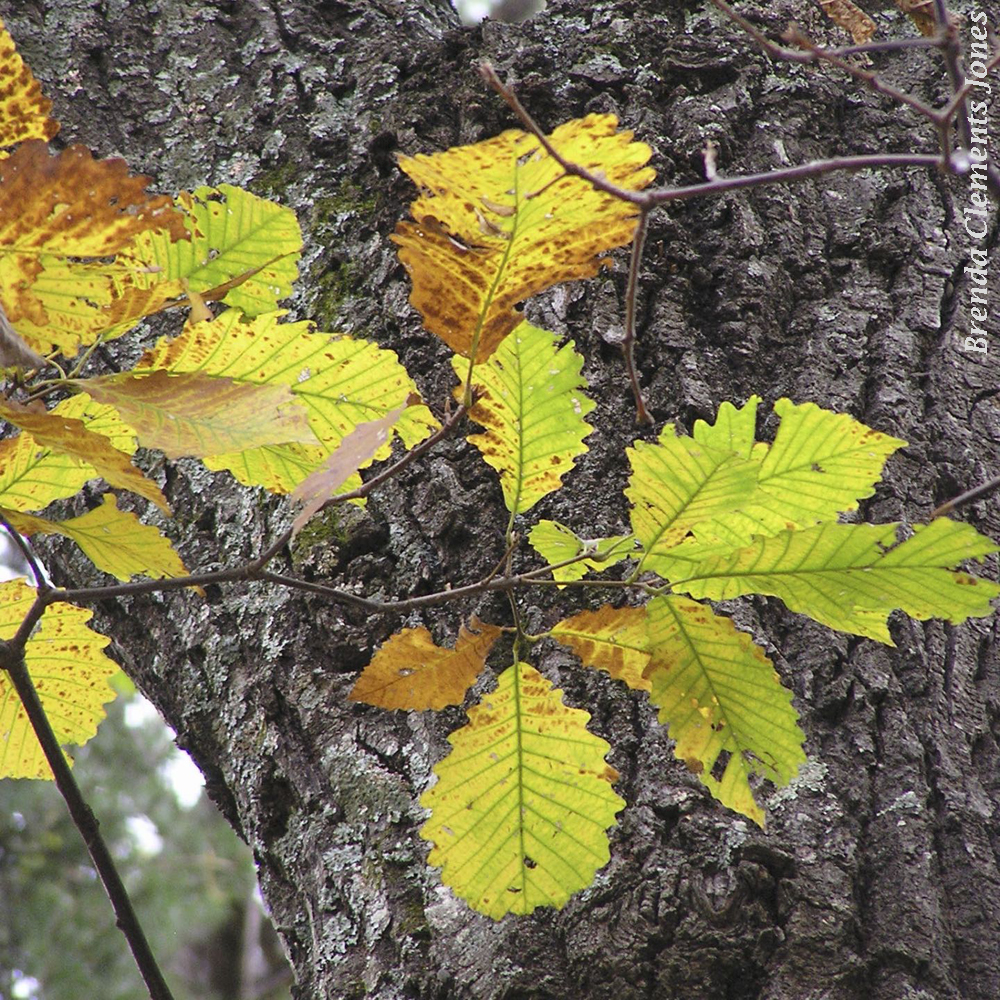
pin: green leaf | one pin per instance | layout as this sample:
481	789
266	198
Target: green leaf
820	465
191	413
522	802
532	408
556	543
679	482
719	694
848	576
342	383
233	233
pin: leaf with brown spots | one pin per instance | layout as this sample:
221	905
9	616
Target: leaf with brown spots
342	382
411	672
610	639
499	221
730	715
522	801
847	15
24	109
70	672
63	221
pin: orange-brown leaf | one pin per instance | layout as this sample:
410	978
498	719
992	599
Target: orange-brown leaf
411	672
72	437
24	109
611	639
847	15
192	413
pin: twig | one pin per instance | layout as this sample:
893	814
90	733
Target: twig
973	494
628	344
12	660
41	583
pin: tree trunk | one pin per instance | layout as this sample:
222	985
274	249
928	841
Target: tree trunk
878	874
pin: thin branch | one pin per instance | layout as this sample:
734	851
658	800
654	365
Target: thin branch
12	660
41	583
628	344
973	494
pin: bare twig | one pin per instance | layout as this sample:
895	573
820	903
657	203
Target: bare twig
41	583
12	661
973	494
628	343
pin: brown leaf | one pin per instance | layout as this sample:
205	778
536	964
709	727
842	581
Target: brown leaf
356	449
848	16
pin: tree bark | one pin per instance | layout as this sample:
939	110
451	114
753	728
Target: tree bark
878	874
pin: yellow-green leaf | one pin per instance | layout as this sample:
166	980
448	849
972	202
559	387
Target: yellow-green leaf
58	452
556	543
233	233
532	407
679	482
70	673
612	639
114	540
411	672
192	413
720	695
499	221
522	802
820	465
850	577
342	382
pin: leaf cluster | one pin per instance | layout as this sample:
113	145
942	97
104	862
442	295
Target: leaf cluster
521	804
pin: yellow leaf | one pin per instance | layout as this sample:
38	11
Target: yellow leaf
24	109
61	213
532	406
114	540
411	672
28	481
342	382
192	413
70	672
522	802
847	15
720	695
610	639
499	221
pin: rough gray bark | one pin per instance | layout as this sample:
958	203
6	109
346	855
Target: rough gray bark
878	875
